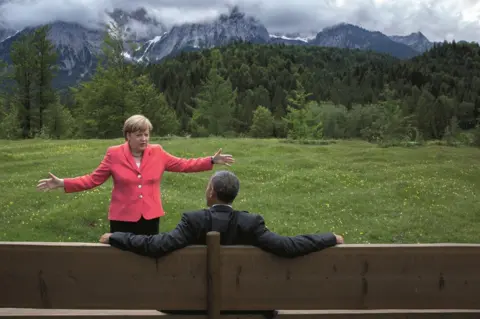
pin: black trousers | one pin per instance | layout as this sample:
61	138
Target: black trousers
141	227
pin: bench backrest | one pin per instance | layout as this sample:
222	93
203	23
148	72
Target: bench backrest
94	276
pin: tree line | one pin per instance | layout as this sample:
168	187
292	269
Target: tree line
242	89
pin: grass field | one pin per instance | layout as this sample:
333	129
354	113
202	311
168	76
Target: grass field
368	194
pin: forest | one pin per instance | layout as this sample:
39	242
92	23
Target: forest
249	90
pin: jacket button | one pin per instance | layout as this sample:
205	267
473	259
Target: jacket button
140	196
139	186
139	176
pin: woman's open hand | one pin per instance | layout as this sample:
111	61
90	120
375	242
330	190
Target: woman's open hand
49	183
222	159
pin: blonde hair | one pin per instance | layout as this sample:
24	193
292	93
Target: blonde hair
136	123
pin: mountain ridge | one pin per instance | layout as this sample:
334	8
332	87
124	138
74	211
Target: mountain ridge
78	46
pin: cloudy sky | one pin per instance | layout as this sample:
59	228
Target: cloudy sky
437	19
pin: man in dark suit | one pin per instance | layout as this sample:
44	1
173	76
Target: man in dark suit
235	228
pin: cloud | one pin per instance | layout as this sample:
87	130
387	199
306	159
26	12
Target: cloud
437	19
20	13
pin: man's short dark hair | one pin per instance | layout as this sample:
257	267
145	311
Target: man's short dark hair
226	185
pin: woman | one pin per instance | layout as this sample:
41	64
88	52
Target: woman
136	168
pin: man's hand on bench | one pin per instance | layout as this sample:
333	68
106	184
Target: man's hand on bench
105	238
339	239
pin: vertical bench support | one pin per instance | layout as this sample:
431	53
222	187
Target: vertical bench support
214	293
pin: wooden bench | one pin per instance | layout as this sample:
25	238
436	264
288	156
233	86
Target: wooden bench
349	281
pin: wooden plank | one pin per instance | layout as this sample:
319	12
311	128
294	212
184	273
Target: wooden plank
68	313
214	292
377	314
95	276
102	313
317	314
353	277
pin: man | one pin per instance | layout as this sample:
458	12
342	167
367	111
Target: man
235	228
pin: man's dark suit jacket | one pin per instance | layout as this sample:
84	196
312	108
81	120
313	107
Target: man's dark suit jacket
235	228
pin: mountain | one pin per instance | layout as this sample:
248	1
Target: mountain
78	45
196	36
353	37
349	36
6	33
292	38
76	49
137	26
416	41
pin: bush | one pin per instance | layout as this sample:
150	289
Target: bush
262	125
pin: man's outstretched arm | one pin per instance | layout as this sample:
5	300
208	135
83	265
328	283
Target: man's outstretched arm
290	246
155	245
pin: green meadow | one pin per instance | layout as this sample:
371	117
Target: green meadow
369	194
